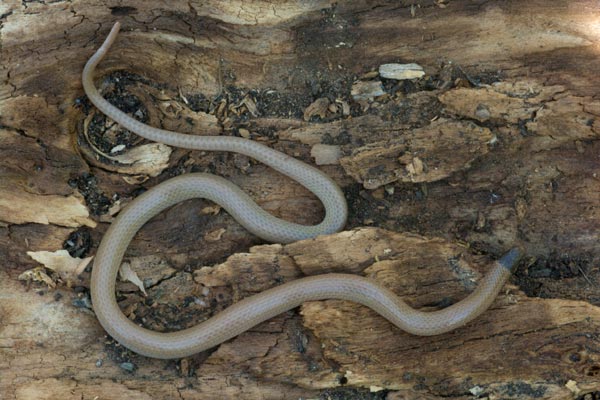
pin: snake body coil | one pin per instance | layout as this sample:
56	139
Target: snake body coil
250	311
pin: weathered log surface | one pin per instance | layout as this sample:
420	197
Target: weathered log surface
496	145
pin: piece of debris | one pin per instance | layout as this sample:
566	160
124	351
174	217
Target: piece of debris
325	154
369	75
345	107
61	262
212	210
245	133
37	274
482	112
128	274
378	193
117	148
182	96
148	159
367	90
215	235
170	108
572	386
182	119
83	302
415	167
184	365
135	179
242	162
115	208
127	366
19	206
401	72
480	222
318	107
250	105
476	390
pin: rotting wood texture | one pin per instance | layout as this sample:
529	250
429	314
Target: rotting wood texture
496	145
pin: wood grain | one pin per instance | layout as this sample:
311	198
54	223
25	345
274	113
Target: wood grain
497	145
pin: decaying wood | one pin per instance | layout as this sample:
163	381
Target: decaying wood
496	145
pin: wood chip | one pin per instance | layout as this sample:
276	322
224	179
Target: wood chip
318	107
401	71
170	108
245	133
37	274
325	154
572	386
215	235
345	107
61	262
415	167
369	75
250	105
19	206
148	159
211	210
117	149
367	90
128	274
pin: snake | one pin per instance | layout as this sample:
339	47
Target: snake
252	310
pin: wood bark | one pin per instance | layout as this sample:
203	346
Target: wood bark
496	145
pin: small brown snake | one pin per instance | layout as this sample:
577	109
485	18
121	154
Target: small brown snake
250	311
